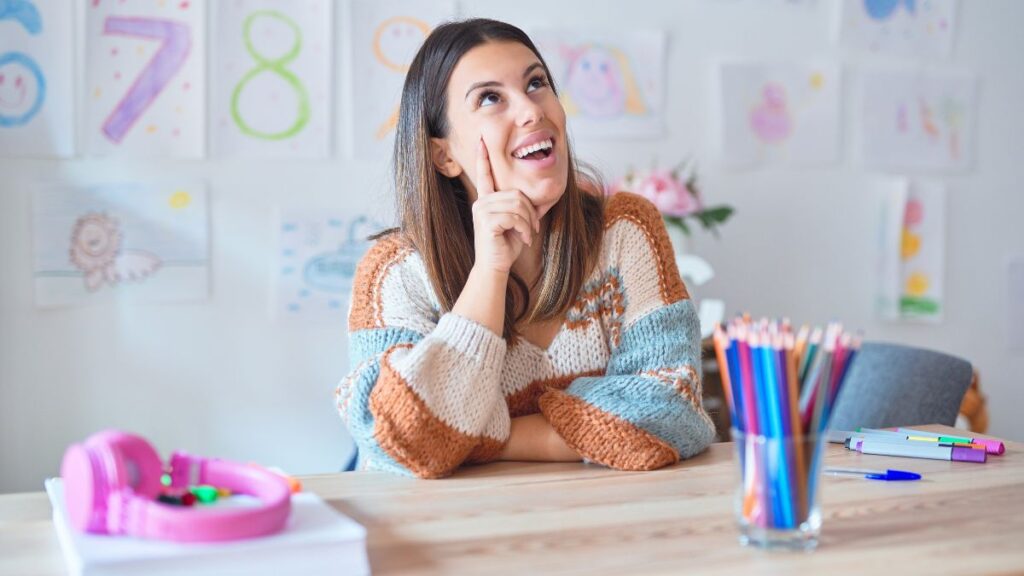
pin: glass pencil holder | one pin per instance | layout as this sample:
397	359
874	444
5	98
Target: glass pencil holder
776	504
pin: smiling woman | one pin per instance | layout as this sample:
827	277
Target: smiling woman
513	315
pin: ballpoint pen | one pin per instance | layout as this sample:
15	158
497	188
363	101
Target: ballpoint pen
887	475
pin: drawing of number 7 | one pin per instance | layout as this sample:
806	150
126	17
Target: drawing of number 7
175	40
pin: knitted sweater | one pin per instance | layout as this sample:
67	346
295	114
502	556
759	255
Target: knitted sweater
620	382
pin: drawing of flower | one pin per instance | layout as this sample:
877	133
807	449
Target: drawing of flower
95	244
96	241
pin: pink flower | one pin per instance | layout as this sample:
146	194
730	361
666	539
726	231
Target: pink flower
671	196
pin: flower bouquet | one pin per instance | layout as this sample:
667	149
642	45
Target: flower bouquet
676	195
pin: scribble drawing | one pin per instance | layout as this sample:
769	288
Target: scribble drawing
96	241
24	12
928	120
333	271
953	112
600	83
175	43
902	121
941	122
278	67
883	9
395	43
770	120
17	107
915	298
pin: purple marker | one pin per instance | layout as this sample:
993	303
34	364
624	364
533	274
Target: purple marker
918	450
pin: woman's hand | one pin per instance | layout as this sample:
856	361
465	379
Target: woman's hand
532	439
503	221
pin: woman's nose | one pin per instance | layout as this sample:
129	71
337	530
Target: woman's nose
528	112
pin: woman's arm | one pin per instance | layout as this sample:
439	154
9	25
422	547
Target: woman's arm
483	298
424	395
424	392
503	223
646	411
533	439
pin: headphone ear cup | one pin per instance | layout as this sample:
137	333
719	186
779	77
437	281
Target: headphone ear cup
133	461
85	489
106	464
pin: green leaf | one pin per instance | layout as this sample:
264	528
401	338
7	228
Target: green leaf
679	223
717	214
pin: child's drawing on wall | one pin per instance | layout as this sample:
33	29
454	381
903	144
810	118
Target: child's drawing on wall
125	242
611	84
385	37
917	120
96	250
316	264
773	114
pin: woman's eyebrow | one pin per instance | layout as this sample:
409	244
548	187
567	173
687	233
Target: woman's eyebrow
489	83
485	84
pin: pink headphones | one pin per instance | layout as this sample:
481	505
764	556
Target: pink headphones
112	480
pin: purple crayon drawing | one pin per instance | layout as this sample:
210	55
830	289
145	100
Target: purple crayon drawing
770	119
176	41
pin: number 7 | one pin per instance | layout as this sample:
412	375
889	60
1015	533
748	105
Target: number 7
175	39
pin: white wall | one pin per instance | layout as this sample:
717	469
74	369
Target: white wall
219	378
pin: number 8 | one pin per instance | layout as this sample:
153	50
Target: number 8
277	67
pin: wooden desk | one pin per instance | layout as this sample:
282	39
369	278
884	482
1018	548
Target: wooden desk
572	518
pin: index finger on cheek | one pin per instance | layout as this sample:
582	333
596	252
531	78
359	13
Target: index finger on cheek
484	179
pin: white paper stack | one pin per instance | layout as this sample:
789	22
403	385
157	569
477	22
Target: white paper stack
317	540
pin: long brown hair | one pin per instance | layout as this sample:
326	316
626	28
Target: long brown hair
434	210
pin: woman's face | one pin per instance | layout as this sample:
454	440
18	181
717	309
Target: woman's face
500	91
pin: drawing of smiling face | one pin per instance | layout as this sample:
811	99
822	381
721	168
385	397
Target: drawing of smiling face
396	41
22	89
15	83
596	83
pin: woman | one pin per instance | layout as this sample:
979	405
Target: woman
513	315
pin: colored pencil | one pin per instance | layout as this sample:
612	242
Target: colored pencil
781	388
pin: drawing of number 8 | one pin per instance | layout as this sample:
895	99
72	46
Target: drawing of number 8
276	66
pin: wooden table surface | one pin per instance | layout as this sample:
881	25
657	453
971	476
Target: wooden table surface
521	518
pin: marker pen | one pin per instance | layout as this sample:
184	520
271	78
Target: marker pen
903	437
917	450
991	446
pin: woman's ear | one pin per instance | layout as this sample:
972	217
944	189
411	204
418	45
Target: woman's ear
440	154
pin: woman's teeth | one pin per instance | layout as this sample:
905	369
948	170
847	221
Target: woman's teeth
527	150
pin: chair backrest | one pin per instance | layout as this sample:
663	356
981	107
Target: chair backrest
353	460
896	385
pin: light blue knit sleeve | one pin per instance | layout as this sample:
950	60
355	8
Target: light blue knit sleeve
646	411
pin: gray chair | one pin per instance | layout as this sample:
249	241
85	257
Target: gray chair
895	385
